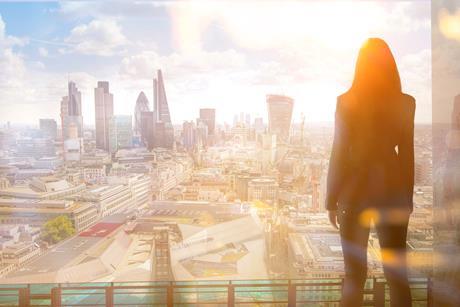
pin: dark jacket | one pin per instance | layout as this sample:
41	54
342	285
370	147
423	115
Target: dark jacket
372	159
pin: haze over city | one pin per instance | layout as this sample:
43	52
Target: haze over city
214	55
214	148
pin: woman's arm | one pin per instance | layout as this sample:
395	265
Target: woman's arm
337	162
406	153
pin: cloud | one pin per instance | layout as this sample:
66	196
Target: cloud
7	41
280	24
98	37
180	65
415	71
116	8
11	63
42	52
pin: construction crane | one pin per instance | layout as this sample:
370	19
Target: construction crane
302	127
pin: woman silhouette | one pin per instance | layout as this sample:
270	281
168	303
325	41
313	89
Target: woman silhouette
371	172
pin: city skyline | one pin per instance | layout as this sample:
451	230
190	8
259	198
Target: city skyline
202	61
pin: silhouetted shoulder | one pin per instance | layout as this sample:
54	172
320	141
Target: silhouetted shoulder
408	103
345	102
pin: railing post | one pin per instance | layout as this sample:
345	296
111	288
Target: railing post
292	295
429	292
170	295
379	293
56	297
231	295
109	296
24	297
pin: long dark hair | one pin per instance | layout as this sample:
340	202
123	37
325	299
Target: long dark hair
376	72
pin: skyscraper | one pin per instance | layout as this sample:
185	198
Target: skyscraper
163	128
74	99
259	124
120	132
208	116
103	102
64	114
142	105
72	104
279	116
189	135
147	125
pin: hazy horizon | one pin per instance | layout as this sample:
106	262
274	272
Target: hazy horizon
221	55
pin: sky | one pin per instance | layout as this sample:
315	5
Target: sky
226	55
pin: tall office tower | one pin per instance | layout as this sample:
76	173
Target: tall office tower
74	110
64	114
259	125
73	144
48	127
142	105
120	132
103	102
74	99
189	135
208	116
247	120
163	128
279	116
235	120
147	125
201	133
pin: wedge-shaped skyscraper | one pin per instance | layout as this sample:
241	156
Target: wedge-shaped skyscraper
163	128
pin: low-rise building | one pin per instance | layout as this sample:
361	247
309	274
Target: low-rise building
38	212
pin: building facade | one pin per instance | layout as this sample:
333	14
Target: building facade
279	116
103	102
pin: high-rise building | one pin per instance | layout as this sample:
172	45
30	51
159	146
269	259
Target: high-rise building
163	128
64	115
147	125
48	127
120	132
201	133
72	104
189	135
208	116
73	144
259	125
279	116
247	120
103	102
142	105
74	100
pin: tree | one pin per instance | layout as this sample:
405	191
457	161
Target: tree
57	229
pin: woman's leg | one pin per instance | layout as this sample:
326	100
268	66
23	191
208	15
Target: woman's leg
354	237
392	235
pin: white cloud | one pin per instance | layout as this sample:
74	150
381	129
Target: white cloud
280	24
42	52
7	41
415	71
98	37
144	65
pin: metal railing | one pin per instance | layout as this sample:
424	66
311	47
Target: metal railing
310	292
